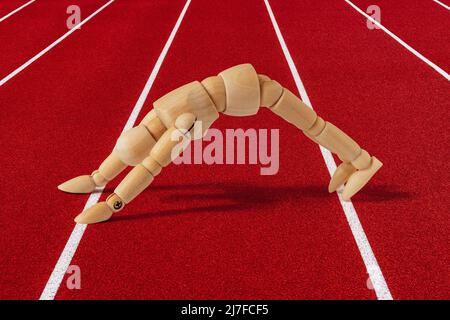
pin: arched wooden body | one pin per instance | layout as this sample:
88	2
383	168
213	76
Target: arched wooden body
237	91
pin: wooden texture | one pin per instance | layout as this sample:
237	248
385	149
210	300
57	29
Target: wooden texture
134	183
338	142
216	90
97	213
360	178
111	167
185	122
262	78
237	91
340	176
242	90
362	161
293	110
134	145
316	128
80	184
152	166
162	151
191	98
107	171
99	179
154	125
114	202
271	92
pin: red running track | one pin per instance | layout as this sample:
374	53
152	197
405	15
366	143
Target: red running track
225	231
395	105
37	26
7	7
423	24
59	117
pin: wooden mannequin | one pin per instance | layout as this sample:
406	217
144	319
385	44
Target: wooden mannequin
237	91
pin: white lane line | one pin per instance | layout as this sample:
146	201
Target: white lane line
17	10
403	43
54	282
40	54
442	4
373	269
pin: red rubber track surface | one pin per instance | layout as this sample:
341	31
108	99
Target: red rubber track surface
37	26
423	24
8	6
225	231
396	106
60	116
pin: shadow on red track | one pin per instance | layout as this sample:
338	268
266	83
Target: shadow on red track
248	197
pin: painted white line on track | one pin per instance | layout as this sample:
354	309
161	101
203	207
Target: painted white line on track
54	282
371	263
441	71
16	10
442	4
40	54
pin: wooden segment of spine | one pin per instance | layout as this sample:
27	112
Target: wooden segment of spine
154	124
192	98
242	90
338	142
134	145
216	90
134	183
293	110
